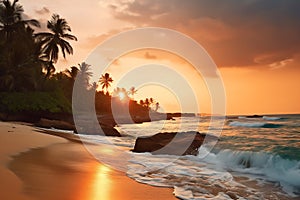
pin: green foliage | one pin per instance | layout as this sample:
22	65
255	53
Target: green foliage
14	102
102	103
26	55
24	87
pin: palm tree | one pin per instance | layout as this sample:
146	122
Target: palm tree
147	102
132	91
72	73
84	74
116	91
18	63
11	18
57	38
105	81
142	103
151	101
156	106
94	86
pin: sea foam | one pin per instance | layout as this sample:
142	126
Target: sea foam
271	118
272	167
254	124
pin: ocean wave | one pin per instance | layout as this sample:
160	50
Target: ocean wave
271	118
189	178
57	130
254	124
242	117
193	177
273	167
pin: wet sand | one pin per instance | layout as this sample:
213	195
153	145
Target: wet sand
34	165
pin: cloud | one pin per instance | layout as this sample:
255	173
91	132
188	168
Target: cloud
43	11
234	33
270	58
94	40
149	56
214	31
281	63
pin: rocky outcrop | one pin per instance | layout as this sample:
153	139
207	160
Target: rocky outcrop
58	124
86	128
90	129
254	116
110	131
183	143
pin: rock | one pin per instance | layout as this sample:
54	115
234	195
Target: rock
107	120
254	116
183	143
91	127
110	131
58	124
88	128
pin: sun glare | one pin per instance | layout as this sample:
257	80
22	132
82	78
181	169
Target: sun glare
121	95
102	183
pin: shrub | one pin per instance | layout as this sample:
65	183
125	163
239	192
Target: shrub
53	102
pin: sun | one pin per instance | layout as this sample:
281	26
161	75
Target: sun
121	95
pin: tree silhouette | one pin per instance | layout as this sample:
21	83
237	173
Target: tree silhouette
105	81
84	74
19	69
121	93
147	102
57	38
156	106
151	101
116	91
94	86
11	21
132	91
142	102
72	73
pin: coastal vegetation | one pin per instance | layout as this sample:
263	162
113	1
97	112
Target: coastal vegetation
29	82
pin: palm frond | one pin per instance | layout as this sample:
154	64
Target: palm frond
69	36
59	28
33	22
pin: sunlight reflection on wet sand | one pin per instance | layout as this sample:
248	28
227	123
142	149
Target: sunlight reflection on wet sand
102	184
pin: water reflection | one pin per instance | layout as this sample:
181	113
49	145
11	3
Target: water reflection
101	184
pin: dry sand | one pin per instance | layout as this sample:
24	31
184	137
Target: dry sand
41	166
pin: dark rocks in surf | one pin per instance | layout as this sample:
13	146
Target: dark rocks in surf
254	116
182	143
58	124
86	127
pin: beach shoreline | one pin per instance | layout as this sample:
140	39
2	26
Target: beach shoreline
36	165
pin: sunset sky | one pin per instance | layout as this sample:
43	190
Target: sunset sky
254	43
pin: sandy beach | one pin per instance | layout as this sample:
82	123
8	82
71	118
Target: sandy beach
34	165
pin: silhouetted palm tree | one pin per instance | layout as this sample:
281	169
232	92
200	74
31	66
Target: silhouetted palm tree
72	73
142	102
147	102
94	86
51	42
156	106
151	100
19	69
105	81
84	74
11	20
116	91
132	91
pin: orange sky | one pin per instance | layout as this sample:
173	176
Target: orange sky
255	44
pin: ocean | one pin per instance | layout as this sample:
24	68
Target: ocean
254	158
